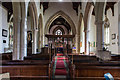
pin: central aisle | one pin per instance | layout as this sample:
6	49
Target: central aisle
60	67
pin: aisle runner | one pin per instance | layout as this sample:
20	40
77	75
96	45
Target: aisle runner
60	67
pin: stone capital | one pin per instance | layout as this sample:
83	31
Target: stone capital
86	31
35	29
99	22
17	20
77	35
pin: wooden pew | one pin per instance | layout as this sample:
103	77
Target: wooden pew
6	56
25	62
96	71
22	70
89	68
37	57
115	57
83	58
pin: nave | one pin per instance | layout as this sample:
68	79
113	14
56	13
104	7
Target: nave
60	40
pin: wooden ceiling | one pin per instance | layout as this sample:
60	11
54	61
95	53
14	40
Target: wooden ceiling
108	6
60	21
8	6
75	5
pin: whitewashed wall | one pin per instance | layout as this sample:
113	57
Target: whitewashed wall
82	36
92	34
119	26
0	29
3	25
113	29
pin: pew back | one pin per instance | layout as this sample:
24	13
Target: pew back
26	69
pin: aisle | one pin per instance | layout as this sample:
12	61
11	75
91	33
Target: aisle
60	67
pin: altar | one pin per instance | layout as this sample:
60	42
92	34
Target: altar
60	44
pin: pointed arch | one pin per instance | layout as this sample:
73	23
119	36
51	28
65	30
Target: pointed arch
40	32
87	17
87	13
79	33
55	16
40	24
33	12
80	22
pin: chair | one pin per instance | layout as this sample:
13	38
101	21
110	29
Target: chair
5	76
108	76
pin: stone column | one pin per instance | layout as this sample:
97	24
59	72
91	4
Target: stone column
86	42
100	35
119	33
34	41
78	43
42	40
102	55
99	39
16	37
39	40
23	39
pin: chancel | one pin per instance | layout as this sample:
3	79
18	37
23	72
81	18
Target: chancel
60	40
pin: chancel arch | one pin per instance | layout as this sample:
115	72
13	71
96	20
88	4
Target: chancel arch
63	15
61	27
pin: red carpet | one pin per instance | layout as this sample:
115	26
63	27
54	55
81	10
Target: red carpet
60	72
61	58
60	64
59	54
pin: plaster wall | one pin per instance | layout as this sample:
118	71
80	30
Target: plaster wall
119	27
92	34
113	29
3	25
82	36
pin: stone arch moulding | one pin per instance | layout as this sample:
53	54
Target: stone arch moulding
60	26
40	23
40	28
55	16
33	10
86	14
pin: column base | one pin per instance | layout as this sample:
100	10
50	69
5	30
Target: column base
104	55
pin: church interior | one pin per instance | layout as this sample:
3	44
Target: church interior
60	40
